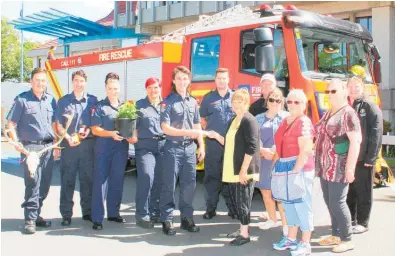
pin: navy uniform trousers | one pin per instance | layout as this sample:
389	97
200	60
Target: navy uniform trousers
37	187
108	176
149	161
213	164
76	160
179	161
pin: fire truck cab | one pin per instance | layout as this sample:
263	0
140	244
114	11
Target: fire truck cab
303	49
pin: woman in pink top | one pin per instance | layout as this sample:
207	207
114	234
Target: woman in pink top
294	144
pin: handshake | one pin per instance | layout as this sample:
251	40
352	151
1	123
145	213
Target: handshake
195	133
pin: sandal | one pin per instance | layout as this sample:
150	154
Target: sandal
343	247
240	240
330	240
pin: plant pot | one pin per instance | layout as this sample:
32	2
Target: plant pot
125	126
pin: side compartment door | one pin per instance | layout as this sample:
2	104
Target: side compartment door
96	78
137	72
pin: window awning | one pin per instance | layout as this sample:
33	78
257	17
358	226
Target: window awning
69	28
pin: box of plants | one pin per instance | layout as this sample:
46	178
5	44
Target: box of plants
125	121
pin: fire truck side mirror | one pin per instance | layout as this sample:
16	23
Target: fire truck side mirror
376	64
264	50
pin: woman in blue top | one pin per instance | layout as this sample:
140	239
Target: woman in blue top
268	122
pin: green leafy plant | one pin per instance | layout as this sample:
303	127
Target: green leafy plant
128	110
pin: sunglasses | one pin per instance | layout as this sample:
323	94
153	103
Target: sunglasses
330	91
271	100
295	102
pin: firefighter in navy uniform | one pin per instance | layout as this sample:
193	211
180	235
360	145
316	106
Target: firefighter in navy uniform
149	141
180	121
216	113
110	156
77	153
30	121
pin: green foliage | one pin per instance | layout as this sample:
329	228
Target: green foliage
11	53
128	110
331	62
386	127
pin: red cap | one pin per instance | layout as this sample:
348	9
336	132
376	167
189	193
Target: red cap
151	81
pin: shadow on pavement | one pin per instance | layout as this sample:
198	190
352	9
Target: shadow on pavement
211	240
17	170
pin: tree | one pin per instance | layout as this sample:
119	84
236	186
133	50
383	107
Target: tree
11	52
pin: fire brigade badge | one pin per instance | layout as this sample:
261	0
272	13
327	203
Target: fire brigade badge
93	111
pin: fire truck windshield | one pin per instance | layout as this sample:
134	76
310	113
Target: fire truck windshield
324	54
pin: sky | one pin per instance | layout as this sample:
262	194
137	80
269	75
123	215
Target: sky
91	10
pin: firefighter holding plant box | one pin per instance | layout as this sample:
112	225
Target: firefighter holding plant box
110	152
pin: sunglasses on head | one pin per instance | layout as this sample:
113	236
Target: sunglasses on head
295	102
330	91
271	100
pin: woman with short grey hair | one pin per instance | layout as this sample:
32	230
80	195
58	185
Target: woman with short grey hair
293	174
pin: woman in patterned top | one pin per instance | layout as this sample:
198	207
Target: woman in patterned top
337	148
269	122
294	146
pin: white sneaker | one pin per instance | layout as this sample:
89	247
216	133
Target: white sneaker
359	229
268	225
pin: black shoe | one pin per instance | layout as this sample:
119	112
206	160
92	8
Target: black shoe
97	226
66	222
118	219
208	215
40	222
87	217
168	228
155	219
239	240
232	215
189	225
30	227
145	224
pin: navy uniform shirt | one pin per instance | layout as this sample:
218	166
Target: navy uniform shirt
217	110
81	109
33	116
179	113
148	121
103	115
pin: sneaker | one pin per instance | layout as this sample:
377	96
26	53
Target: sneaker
268	225
302	249
330	240
285	244
30	227
359	229
343	247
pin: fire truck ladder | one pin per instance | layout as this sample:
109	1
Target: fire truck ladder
232	15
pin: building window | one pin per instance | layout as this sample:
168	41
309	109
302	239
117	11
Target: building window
205	58
365	22
247	53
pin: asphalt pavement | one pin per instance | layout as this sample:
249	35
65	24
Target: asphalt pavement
129	239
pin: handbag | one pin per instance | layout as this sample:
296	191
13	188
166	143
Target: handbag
342	144
288	185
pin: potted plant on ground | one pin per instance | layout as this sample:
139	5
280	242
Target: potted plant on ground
125	121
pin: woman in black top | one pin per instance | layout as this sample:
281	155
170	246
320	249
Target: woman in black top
241	161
